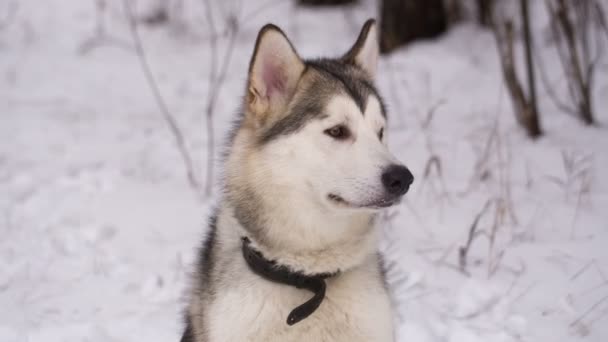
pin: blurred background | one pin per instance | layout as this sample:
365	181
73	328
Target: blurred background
113	115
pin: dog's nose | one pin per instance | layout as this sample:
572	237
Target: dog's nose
397	179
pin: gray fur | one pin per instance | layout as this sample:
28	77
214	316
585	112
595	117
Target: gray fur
228	302
248	212
330	78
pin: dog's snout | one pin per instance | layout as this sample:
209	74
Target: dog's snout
397	179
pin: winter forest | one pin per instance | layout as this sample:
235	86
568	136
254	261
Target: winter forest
114	115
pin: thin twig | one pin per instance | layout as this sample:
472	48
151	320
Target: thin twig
570	27
395	96
11	12
101	37
523	293
463	251
216	81
582	270
525	112
210	96
593	307
264	6
544	78
167	116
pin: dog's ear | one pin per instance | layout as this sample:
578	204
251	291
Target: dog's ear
274	72
364	52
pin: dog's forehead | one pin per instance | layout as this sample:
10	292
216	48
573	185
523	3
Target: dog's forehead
343	107
337	77
353	92
374	113
324	81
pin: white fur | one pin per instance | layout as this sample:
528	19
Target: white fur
293	175
288	182
274	73
356	307
314	164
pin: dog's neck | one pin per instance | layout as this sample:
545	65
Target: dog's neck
306	241
272	271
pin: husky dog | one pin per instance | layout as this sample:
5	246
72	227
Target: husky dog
291	253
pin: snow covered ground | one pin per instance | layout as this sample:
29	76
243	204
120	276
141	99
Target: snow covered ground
98	226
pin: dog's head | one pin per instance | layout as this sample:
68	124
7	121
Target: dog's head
317	128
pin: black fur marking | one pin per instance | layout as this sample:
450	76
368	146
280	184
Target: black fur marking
357	88
303	112
205	268
357	84
206	253
334	76
188	335
350	56
235	125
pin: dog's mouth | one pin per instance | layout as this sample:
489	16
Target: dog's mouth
376	204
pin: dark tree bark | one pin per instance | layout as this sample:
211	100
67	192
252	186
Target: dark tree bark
402	21
524	105
572	31
534	126
484	12
325	2
454	11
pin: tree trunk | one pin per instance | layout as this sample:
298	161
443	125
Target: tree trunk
325	2
524	114
585	110
454	11
484	12
571	24
402	21
581	68
531	120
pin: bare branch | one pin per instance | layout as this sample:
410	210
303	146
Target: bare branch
211	93
550	90
11	12
593	307
524	105
101	37
528	44
463	251
571	31
164	110
264	6
431	113
583	269
216	82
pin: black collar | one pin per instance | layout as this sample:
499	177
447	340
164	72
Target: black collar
270	270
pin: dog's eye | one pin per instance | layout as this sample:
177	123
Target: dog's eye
339	132
381	133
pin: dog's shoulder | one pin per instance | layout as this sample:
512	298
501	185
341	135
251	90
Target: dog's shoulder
201	283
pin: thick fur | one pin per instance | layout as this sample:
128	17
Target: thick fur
304	199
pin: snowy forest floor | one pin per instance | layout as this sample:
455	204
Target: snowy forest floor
98	226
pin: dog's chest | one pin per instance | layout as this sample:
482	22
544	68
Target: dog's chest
356	308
